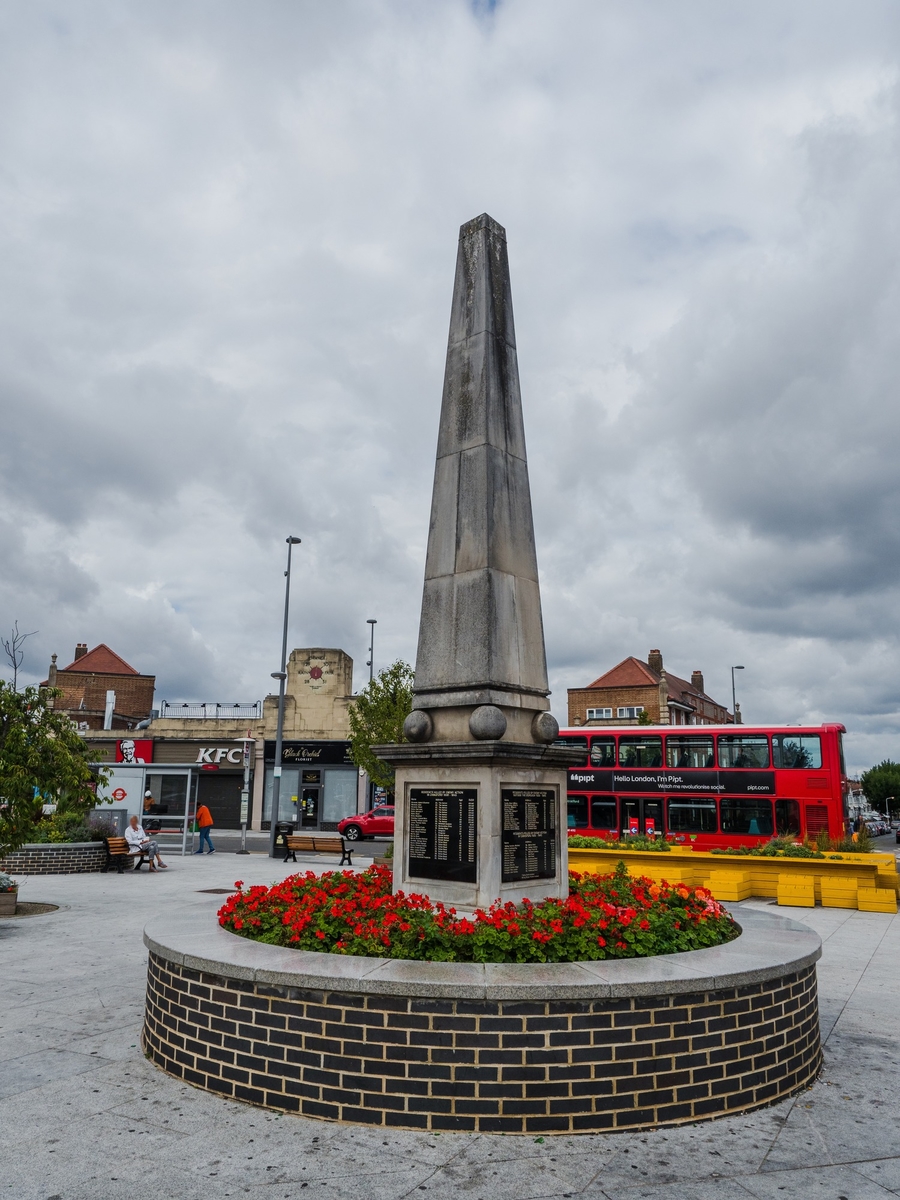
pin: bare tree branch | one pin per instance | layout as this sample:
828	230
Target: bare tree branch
12	647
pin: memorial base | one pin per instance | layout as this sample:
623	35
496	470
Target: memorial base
478	822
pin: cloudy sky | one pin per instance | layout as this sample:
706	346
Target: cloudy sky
228	234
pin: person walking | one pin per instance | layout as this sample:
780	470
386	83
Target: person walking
205	824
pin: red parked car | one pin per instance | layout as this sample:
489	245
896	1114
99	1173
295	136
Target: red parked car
377	823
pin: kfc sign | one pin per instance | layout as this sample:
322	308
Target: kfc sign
213	755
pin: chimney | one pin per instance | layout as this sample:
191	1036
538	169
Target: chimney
697	680
654	661
80	650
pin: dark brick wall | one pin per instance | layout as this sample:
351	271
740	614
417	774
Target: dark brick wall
58	859
494	1066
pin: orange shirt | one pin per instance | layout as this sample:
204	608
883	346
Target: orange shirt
204	816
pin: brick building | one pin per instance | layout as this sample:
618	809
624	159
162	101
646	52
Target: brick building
100	690
634	687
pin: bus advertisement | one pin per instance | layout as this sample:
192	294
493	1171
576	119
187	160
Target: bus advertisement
710	785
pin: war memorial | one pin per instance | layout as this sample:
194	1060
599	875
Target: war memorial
484	1046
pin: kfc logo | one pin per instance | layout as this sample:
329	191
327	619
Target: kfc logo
130	751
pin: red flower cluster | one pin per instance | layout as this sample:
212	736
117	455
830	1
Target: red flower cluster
609	916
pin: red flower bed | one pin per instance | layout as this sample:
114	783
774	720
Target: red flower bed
604	916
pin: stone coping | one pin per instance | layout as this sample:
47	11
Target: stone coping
769	947
56	846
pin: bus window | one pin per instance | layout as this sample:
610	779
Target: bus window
841	752
746	750
603	752
689	752
603	813
800	751
746	815
574	742
640	752
787	816
577	812
692	816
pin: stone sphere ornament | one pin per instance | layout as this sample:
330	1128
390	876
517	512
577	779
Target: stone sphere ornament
487	723
545	727
418	726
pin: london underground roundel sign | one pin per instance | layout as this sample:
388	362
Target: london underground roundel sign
119	794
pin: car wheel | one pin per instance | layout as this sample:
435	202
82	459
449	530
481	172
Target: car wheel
353	833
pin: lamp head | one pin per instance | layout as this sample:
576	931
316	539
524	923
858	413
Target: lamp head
737	668
292	541
279	675
371	621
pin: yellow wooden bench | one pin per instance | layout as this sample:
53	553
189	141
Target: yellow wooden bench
799	891
875	899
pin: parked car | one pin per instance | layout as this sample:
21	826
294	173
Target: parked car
379	822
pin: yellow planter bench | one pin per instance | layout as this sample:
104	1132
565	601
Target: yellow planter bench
876	899
837	882
797	890
729	885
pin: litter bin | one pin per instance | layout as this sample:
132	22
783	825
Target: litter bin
282	829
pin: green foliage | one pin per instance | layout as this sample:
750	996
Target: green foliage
628	841
376	719
7	883
644	718
42	760
881	782
67	827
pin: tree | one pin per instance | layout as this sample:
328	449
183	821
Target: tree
42	760
12	647
376	718
882	783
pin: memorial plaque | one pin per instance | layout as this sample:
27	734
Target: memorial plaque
529	833
441	833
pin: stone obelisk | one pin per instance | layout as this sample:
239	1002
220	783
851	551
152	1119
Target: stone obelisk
480	792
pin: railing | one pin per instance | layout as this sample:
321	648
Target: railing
211	712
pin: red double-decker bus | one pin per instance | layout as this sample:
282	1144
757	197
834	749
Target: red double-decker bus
711	785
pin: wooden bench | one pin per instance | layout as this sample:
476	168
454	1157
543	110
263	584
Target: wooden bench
117	849
300	841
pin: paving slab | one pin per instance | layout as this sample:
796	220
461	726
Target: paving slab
76	1085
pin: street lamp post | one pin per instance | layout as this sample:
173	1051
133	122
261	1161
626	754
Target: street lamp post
733	698
281	676
887	805
248	743
371	622
371	663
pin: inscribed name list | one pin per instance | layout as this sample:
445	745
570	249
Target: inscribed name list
441	833
529	833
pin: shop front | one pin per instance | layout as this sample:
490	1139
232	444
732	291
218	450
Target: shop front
168	779
319	784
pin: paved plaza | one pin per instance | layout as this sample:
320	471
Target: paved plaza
83	1116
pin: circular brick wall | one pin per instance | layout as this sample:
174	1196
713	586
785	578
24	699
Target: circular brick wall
575	1048
55	858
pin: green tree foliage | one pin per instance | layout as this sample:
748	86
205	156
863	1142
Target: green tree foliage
644	718
42	760
880	782
376	718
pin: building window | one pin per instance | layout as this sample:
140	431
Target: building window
599	714
629	713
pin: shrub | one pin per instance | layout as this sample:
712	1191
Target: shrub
67	827
628	841
7	883
608	916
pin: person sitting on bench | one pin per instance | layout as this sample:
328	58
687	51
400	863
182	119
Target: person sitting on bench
141	844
